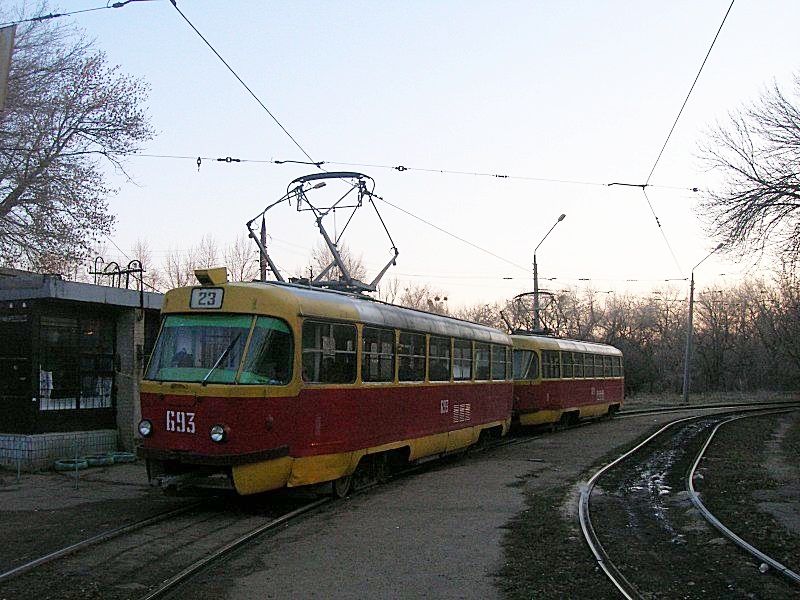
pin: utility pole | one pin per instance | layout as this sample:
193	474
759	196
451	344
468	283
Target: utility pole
687	359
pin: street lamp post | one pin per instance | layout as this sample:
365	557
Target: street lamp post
690	331
536	321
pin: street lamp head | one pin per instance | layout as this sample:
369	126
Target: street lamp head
563	216
720	245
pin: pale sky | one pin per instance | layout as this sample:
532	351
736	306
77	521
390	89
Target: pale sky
575	91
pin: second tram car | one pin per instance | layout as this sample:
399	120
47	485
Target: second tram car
258	386
560	381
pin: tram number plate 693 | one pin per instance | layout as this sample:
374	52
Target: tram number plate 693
180	422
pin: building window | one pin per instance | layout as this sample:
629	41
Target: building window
377	358
329	353
59	363
462	360
439	359
97	362
411	356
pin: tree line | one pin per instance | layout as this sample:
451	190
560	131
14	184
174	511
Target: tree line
746	336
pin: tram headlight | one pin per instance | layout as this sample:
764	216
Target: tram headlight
145	428
218	433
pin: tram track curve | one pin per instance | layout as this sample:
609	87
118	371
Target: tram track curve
603	558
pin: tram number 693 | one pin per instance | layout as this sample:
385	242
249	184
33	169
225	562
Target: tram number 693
180	422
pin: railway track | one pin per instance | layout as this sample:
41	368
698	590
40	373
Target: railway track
153	557
95	539
641	517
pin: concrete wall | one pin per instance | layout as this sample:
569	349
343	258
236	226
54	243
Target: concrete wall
130	344
38	452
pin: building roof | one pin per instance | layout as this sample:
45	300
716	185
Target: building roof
24	285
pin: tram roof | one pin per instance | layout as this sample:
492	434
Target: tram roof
328	304
543	342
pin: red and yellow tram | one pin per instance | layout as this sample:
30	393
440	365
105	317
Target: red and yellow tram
560	381
258	386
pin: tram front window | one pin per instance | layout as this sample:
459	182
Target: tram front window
197	348
269	356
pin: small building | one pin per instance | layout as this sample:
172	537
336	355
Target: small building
71	357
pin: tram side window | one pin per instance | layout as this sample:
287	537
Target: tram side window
598	366
578	364
617	366
607	369
482	361
329	352
269	356
551	365
498	362
411	356
588	365
509	365
566	365
526	365
377	358
439	359
462	360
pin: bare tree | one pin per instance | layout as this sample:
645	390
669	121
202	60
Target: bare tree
152	277
241	258
758	154
423	297
321	257
66	109
178	268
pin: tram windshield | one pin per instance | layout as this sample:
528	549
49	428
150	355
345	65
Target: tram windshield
211	348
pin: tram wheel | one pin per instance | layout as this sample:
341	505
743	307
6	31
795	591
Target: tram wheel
342	486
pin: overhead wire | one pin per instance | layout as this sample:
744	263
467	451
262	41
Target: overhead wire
686	100
69	14
240	80
647	184
402	169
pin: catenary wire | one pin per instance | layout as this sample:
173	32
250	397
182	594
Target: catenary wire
69	14
240	80
402	169
686	100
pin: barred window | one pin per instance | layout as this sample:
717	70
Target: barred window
411	357
377	358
